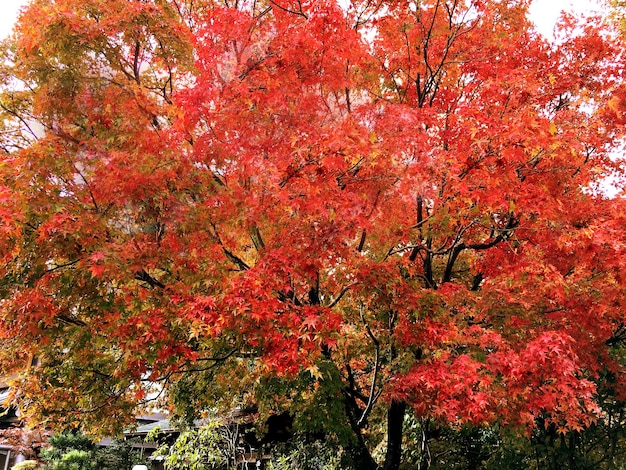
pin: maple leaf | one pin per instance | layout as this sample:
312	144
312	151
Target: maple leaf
310	322
97	270
97	256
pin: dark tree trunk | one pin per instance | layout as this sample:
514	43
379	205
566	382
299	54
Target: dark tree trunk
395	423
360	454
357	450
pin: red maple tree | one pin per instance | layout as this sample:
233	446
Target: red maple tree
347	210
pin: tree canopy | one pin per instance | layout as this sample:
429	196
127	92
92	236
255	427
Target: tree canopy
348	210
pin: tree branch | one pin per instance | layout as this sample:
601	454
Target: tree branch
299	13
372	395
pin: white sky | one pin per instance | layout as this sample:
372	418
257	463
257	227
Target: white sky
543	12
8	15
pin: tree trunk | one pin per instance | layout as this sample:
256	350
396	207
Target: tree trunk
360	454
358	451
395	423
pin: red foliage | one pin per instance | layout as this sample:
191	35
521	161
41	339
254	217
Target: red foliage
405	194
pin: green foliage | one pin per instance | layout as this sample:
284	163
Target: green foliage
300	454
119	455
431	445
73	451
212	446
598	447
434	446
317	407
75	460
67	441
70	451
26	465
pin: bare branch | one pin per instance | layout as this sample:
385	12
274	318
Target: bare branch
299	13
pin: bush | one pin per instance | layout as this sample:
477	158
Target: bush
73	451
26	465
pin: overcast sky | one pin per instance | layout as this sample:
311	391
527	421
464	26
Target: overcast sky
544	12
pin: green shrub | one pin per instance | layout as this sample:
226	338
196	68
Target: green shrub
26	465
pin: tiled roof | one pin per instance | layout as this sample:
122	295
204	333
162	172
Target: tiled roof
163	424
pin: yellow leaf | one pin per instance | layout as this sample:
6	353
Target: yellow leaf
553	128
314	371
614	105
